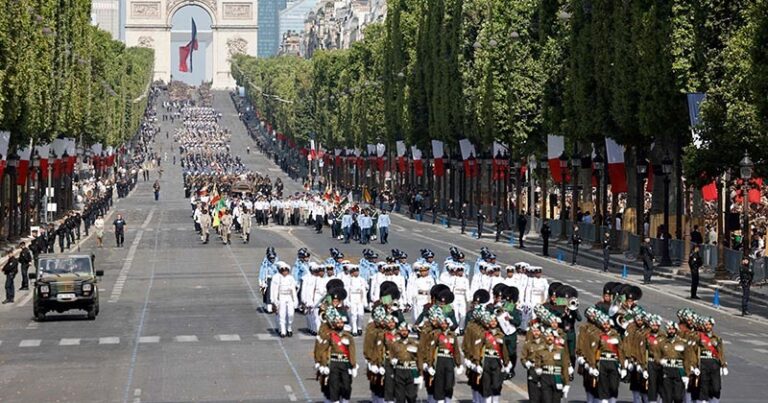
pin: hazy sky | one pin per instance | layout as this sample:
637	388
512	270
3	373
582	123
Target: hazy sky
180	36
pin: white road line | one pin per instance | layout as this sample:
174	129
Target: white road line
291	395
149	218
30	343
118	289
756	342
520	391
186	339
149	339
69	342
228	337
761	350
266	337
109	340
137	396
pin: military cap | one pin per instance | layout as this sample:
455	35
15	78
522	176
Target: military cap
481	296
608	288
437	289
334	283
303	253
445	297
338	293
484	252
427	253
282	266
552	290
511	293
498	289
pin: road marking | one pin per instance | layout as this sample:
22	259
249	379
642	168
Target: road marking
756	342
109	340
266	337
291	395
149	218
186	339
33	325
149	339
137	396
228	337
520	391
761	350
69	342
30	343
123	274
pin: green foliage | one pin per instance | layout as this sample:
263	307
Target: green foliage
61	76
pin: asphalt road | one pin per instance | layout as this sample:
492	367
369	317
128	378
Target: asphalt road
180	321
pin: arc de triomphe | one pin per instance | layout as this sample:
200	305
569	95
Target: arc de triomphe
234	27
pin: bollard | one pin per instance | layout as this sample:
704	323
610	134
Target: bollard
560	256
474	234
444	222
624	272
716	298
512	240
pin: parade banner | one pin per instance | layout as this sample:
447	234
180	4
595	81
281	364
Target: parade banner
59	147
418	164
468	154
22	171
615	165
380	150
43	152
555	148
438	153
71	155
5	139
401	166
500	162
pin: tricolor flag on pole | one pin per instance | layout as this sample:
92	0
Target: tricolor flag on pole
555	148
43	151
418	164
185	52
500	161
5	139
468	154
400	145
616	168
312	151
22	171
438	154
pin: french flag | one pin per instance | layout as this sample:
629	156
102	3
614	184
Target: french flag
401	165
22	171
438	154
185	52
43	151
418	164
555	148
5	139
616	167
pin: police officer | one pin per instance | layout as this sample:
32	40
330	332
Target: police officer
646	254
746	274
695	263
480	222
267	270
499	224
545	233
575	241
463	217
10	270
606	251
522	223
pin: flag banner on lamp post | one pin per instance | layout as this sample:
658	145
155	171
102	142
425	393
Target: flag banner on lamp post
555	148
22	171
5	140
380	150
438	153
71	155
616	167
469	155
500	161
400	145
43	152
418	164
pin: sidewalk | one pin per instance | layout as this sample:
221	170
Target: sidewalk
593	259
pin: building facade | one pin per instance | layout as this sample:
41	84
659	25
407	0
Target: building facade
338	24
105	14
269	26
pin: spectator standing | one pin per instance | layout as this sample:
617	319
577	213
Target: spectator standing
10	269
25	258
99	226
696	237
694	263
119	225
646	254
575	241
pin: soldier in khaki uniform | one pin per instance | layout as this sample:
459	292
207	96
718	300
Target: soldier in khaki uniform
633	347
676	357
246	222
473	330
337	364
489	358
226	227
712	363
528	360
653	372
402	352
374	353
205	225
608	357
551	364
443	358
586	360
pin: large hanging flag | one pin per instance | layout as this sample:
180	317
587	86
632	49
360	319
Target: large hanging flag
400	145
418	164
59	147
616	168
469	155
5	139
381	149
500	161
438	154
185	52
43	151
555	148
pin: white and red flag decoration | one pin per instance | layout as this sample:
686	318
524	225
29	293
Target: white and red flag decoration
438	153
312	151
418	164
469	155
500	161
110	158
96	155
555	148
43	151
615	165
71	155
22	171
381	149
5	140
401	164
59	147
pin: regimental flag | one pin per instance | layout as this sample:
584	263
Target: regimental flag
616	167
418	164
5	139
438	154
22	171
367	196
185	52
44	152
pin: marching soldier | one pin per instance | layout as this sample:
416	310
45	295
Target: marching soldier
266	271
301	266
336	360
417	292
608	356
489	359
402	352
226	227
528	358
283	294
428	258
676	357
443	358
586	360
551	364
358	289
205	225
246	222
712	364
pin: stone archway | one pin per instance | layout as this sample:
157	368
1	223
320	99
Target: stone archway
234	30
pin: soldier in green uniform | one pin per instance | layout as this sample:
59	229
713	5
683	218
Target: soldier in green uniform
489	358
528	358
589	334
551	364
402	352
443	358
712	363
338	363
675	357
608	357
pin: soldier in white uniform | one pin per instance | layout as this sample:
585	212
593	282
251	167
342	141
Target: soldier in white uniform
428	258
417	294
376	281
357	289
313	291
459	285
447	274
284	296
483	280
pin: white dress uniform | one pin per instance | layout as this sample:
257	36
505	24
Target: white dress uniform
314	295
357	290
480	282
284	295
417	293
460	287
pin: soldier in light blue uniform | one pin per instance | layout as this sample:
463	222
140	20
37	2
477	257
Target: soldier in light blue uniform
336	259
457	258
428	259
301	267
485	256
402	259
368	266
266	271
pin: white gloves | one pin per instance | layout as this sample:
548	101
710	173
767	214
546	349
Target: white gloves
566	388
324	370
645	374
663	361
382	370
353	372
724	371
459	370
623	373
479	369
570	371
393	361
580	360
594	372
418	380
317	366
425	366
696	371
374	368
528	364
431	371
507	368
626	364
538	371
685	381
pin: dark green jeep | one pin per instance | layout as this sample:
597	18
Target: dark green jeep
65	282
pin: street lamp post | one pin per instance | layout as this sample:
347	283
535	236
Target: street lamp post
599	165
563	166
666	167
532	165
642	170
518	179
745	166
544	167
